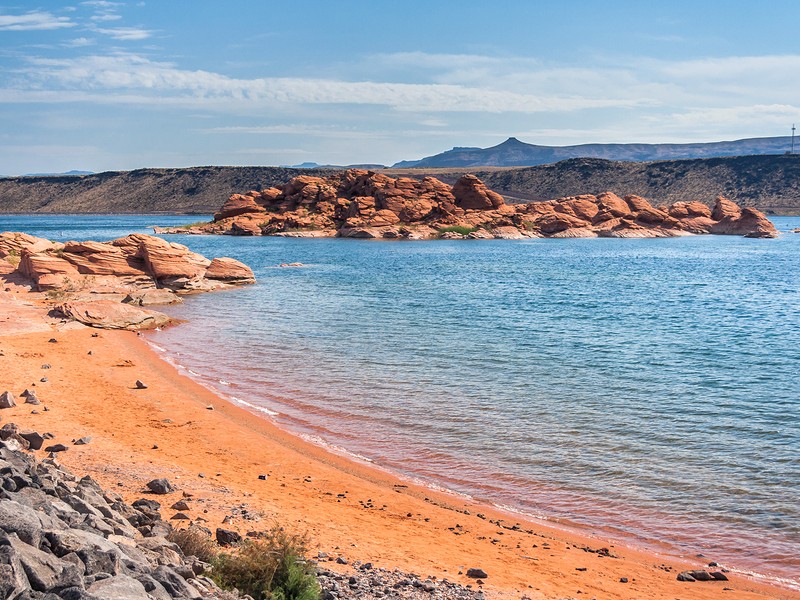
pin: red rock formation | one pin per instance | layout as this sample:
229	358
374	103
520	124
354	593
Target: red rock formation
230	271
471	194
358	203
750	223
239	204
725	209
133	263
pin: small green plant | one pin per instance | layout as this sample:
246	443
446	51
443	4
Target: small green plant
270	567
460	229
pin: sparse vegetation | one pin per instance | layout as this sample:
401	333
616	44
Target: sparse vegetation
460	229
195	542
271	567
195	224
13	257
68	286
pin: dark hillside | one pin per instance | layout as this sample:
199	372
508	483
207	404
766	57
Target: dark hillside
189	190
769	183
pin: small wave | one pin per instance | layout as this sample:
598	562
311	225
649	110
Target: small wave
255	407
223	382
157	347
318	441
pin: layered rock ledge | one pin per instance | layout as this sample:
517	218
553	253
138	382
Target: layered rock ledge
105	284
365	204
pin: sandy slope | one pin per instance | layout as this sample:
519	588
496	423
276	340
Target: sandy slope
348	509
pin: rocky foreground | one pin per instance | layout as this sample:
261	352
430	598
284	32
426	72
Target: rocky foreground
65	538
104	284
366	204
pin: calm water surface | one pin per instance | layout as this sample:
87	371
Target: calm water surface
647	390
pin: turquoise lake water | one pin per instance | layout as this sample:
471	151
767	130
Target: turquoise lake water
644	390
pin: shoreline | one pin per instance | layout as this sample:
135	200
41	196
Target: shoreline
614	534
353	510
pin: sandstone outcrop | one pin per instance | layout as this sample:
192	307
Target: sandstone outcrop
366	204
108	314
102	283
131	264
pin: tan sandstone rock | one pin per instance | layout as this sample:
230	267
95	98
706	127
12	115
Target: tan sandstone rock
107	314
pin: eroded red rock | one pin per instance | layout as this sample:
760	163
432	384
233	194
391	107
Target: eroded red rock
359	203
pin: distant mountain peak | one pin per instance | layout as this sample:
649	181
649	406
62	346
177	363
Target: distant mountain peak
515	153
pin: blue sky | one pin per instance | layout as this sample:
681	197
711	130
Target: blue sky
103	85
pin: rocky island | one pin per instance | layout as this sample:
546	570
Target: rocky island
366	204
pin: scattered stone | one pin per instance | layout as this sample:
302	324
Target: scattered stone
7	400
341	560
82	441
46	366
140	385
227	537
35	440
180	505
180	517
56	448
477	573
160	486
53	340
43	380
623	580
209	407
30	398
262	477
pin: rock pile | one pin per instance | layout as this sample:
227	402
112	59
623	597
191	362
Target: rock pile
366	204
103	284
368	582
63	537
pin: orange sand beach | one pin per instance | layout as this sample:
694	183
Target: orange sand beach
216	451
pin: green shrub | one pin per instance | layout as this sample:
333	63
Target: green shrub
271	567
460	229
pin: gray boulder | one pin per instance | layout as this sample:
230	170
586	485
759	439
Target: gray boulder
22	520
121	587
13	580
45	572
160	486
7	400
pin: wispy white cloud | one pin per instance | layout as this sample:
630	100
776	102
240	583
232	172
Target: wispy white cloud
32	21
106	17
126	34
107	74
102	4
78	43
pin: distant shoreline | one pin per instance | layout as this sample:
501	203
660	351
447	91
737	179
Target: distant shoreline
770	183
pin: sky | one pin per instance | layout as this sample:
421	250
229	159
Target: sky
113	85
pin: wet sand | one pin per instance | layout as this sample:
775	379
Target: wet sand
216	452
